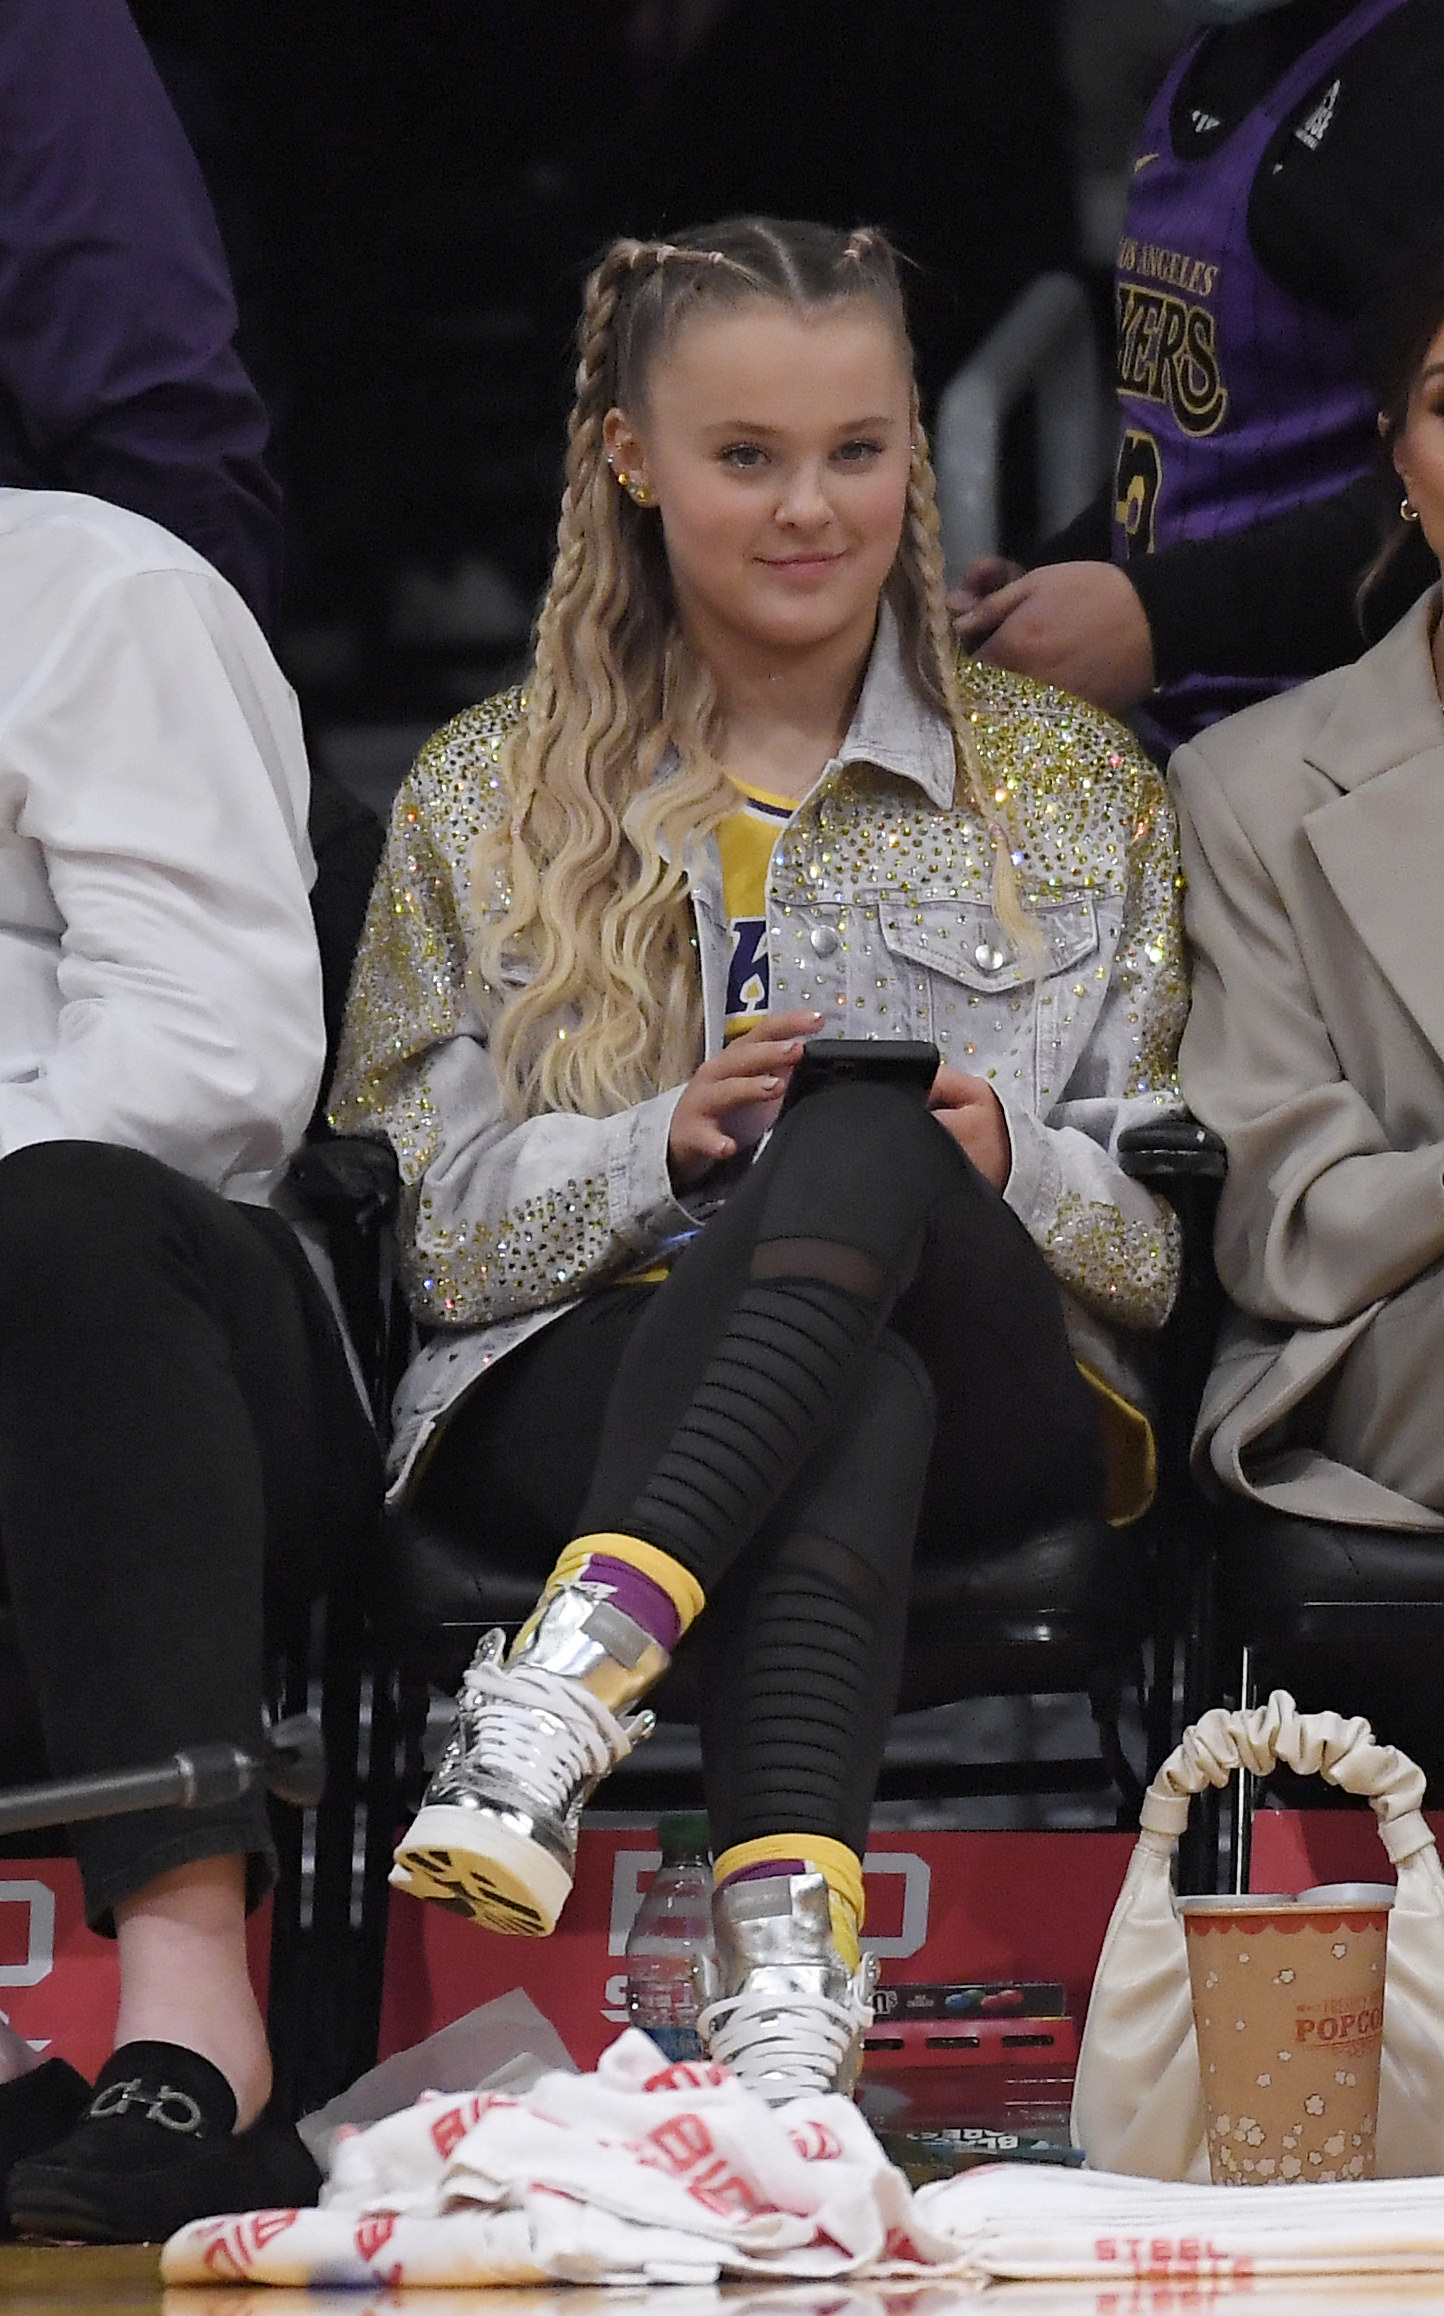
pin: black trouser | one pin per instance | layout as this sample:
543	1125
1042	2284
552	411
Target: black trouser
179	1441
862	1350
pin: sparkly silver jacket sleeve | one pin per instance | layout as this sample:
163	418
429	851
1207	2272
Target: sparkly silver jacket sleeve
497	1219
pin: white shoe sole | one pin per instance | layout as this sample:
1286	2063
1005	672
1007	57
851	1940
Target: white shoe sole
469	1861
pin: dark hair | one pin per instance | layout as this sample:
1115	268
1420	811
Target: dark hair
1394	332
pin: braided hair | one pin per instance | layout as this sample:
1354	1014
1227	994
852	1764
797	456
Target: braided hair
584	964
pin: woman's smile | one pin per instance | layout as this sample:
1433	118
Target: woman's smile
811	563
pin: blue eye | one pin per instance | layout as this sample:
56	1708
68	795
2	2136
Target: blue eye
742	454
857	453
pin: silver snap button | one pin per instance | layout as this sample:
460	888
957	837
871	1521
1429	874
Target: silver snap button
824	940
988	957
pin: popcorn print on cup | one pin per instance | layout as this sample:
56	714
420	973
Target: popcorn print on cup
1287	1993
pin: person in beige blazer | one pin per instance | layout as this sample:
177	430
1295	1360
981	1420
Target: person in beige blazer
1313	847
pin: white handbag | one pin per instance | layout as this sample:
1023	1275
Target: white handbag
1138	2100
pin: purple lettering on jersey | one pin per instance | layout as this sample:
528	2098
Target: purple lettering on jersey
750	963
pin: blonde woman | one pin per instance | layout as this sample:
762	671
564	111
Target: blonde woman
747	796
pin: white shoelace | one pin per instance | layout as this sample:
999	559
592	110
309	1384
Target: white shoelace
800	2039
548	1733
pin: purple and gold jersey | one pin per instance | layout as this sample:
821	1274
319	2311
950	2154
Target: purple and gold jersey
1237	401
745	841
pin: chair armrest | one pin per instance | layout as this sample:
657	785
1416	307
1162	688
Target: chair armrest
348	1178
1172	1149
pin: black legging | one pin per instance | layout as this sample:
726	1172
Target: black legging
863	1347
179	1436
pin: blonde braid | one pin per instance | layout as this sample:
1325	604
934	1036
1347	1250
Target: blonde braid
936	649
583	887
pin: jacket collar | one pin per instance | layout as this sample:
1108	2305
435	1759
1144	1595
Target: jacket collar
893	727
1387	708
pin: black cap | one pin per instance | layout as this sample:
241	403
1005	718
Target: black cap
684	1835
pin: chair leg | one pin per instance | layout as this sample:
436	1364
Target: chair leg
333	1961
1105	1700
1198	1851
1241	1831
286	1998
382	1812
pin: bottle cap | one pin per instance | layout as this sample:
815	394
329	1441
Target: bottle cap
684	1835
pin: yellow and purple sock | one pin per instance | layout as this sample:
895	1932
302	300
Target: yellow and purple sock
647	1585
840	1868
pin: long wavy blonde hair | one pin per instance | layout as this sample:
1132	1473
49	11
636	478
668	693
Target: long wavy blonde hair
582	888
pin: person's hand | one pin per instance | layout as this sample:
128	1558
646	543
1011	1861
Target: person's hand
733	1098
982	579
973	1115
1080	625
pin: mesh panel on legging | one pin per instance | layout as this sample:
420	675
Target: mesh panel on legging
803	1642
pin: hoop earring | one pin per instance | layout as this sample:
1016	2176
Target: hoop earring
1408	510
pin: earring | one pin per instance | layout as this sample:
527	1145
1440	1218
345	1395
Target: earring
1408	510
639	494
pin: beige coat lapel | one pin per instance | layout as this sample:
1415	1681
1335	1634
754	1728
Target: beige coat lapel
1381	842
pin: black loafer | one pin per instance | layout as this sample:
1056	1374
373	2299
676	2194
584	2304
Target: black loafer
36	2110
156	2147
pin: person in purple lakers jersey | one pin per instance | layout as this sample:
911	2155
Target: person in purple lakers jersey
1288	160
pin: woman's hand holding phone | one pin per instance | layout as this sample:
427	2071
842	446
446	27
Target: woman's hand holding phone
733	1098
973	1115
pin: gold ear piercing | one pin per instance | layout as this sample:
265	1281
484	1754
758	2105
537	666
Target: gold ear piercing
637	492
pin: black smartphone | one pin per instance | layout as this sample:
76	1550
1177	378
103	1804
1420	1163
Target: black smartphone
911	1063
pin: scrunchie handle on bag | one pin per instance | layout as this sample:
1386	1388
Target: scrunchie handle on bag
1138	2102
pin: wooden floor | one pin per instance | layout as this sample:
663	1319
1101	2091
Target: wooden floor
46	2281
41	2282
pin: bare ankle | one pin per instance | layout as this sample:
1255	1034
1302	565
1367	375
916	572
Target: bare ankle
184	1976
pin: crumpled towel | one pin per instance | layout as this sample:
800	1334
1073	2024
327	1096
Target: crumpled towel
647	2173
642	2171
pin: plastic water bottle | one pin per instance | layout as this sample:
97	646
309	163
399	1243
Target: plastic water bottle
674	1923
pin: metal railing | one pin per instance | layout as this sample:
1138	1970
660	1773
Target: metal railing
1045	346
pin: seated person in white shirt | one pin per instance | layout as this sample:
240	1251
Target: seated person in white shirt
180	1439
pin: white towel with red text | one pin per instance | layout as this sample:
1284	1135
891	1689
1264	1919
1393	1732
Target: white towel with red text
649	2173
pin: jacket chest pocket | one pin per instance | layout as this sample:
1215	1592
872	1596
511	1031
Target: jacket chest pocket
985	1011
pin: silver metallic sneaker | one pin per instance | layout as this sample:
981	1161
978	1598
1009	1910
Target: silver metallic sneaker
786	2014
496	1836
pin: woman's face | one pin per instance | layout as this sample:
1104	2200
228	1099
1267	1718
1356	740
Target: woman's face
1419	445
776	446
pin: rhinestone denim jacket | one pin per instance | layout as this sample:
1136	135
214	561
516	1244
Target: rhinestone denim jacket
879	914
